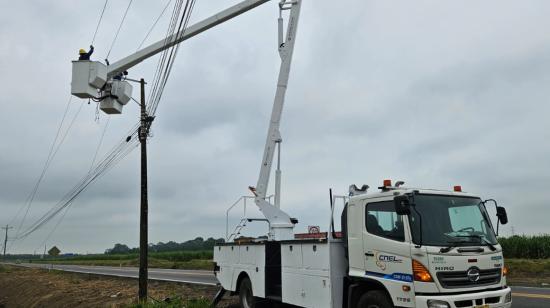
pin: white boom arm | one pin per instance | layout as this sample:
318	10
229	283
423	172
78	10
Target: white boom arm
280	224
212	21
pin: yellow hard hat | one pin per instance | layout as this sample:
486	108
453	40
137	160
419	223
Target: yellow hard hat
81	51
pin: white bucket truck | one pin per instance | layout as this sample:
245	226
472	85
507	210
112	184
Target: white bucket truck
400	247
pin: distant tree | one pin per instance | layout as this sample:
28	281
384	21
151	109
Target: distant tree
54	251
118	249
192	245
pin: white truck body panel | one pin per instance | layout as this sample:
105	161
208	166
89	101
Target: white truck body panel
310	277
236	259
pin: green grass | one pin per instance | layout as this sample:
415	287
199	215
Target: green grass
528	271
174	303
4	269
170	259
174	256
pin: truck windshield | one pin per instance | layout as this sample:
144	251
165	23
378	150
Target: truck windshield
450	221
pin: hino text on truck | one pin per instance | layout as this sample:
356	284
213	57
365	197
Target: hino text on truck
397	247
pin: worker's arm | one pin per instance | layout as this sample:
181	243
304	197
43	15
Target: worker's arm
91	51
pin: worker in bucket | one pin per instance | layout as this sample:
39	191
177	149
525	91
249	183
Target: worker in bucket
85	55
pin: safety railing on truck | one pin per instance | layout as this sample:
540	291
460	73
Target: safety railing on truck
242	201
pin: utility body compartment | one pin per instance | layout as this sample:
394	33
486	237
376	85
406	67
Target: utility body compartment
307	273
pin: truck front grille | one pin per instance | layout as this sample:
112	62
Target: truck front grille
459	279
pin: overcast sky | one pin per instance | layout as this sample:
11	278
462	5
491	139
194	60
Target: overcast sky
435	93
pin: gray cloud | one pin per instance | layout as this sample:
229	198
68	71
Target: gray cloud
434	94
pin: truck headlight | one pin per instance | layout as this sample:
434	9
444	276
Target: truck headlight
437	304
508	297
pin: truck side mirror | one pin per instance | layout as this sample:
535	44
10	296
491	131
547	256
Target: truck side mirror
402	205
502	216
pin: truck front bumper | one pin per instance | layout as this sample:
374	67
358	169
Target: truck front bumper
493	299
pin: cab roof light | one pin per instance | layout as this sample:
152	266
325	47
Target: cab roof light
420	272
387	183
457	188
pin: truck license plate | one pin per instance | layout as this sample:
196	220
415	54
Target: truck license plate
482	306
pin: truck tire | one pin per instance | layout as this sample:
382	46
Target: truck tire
374	299
246	297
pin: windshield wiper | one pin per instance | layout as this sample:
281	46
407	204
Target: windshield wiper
453	244
481	239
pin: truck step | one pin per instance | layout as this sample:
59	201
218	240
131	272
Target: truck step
274	298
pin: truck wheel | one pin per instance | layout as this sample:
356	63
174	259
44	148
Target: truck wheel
246	297
374	299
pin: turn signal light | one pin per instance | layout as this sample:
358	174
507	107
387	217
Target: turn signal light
420	272
504	271
458	188
387	183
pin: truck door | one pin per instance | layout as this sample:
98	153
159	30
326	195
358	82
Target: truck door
385	243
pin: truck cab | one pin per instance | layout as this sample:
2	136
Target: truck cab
423	248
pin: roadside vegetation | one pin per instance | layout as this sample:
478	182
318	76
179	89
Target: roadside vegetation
526	247
174	303
528	259
173	259
193	254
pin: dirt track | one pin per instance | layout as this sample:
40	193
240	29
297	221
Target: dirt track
23	287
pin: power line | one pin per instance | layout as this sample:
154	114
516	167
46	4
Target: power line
120	151
48	163
100	142
154	24
99	21
118	30
169	56
51	154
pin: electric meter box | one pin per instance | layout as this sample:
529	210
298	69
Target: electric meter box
88	77
122	90
111	105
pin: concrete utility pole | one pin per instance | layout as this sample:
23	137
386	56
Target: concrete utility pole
7	227
144	208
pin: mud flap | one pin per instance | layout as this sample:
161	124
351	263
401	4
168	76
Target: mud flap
218	297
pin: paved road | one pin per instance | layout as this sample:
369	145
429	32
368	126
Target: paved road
522	296
189	276
531	297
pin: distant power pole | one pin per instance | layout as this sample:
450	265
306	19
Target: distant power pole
7	227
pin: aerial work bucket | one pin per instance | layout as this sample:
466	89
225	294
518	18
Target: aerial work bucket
88	77
120	95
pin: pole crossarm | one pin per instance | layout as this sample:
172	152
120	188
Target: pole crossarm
201	26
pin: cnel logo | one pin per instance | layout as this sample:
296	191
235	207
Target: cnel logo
382	259
386	258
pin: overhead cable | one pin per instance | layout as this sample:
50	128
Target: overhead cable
120	151
51	155
154	24
99	21
118	30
